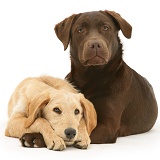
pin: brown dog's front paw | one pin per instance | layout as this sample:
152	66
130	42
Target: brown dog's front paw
32	140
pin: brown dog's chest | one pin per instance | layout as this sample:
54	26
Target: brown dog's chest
98	83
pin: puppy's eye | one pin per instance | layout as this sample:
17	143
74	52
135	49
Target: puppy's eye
105	28
57	110
76	111
80	30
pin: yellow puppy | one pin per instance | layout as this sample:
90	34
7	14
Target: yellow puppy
54	108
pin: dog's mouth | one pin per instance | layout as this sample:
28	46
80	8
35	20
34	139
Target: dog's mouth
70	143
68	140
97	60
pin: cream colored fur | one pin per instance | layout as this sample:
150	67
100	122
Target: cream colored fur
31	109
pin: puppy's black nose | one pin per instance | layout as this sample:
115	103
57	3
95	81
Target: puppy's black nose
70	133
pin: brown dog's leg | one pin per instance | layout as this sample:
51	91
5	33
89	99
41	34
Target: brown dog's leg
104	134
32	140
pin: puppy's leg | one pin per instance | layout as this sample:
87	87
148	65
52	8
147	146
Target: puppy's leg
83	139
15	128
51	139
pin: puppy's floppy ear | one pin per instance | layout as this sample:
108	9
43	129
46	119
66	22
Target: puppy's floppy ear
90	115
63	29
34	107
125	27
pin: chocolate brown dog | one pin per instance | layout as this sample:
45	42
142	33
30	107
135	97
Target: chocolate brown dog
124	100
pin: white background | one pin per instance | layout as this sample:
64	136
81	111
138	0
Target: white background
29	47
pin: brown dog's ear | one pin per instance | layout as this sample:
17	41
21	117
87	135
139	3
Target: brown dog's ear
125	27
90	115
63	29
34	108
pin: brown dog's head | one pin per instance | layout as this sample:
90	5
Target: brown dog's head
93	35
64	111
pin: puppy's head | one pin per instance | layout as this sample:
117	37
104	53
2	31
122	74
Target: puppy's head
64	111
93	36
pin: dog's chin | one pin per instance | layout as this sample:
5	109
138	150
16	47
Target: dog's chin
95	61
69	143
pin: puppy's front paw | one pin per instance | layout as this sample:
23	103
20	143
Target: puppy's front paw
56	144
32	140
83	143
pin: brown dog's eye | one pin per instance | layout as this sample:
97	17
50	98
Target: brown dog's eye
57	110
76	111
105	27
80	30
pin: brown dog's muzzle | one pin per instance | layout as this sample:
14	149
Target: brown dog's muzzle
95	52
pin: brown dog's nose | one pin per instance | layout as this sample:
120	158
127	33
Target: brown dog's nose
94	45
70	133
